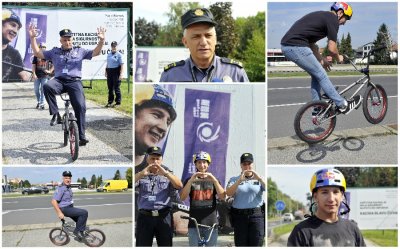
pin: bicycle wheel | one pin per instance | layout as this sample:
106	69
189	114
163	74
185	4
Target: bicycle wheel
375	104
73	139
94	238
65	128
314	122
58	237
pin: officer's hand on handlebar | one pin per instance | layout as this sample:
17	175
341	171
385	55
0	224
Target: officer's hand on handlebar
60	215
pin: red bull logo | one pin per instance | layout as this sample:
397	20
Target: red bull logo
327	175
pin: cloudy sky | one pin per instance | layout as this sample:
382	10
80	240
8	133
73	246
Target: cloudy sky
363	27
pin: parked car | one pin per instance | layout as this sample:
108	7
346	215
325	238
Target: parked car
288	217
35	190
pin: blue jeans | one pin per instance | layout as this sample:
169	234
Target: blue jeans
304	58
38	86
204	232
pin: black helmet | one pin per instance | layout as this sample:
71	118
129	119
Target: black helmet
67	173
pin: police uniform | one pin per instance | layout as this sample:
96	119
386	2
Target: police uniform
220	70
113	69
63	195
247	211
154	204
68	73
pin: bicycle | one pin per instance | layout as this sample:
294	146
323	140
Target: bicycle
61	236
202	241
316	120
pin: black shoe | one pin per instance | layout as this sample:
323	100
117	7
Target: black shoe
351	105
56	119
83	142
117	104
109	105
37	106
80	235
41	107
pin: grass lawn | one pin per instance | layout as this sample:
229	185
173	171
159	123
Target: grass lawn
278	231
99	94
381	237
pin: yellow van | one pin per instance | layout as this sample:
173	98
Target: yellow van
113	185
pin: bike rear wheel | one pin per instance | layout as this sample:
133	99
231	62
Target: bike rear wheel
314	122
375	104
74	140
58	237
95	238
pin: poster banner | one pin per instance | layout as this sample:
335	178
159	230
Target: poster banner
142	60
206	128
83	23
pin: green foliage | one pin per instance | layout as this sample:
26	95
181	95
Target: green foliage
345	47
117	175
370	176
93	181
26	184
128	176
254	57
99	180
84	183
382	237
281	230
382	57
145	32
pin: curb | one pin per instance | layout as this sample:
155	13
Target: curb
12	228
378	130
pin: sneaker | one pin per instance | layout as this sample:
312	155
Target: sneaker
80	235
37	106
41	107
56	119
83	141
351	105
109	105
315	111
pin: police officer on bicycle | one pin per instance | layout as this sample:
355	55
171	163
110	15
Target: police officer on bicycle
67	62
64	205
248	208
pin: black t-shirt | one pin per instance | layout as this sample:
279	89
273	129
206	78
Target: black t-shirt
203	203
316	232
10	72
41	66
312	28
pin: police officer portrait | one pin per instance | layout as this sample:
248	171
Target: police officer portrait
217	42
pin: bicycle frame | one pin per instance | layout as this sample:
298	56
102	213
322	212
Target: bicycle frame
202	240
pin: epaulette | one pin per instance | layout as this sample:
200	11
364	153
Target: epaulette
175	64
77	46
231	61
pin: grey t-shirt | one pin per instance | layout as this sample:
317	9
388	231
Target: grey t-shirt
316	232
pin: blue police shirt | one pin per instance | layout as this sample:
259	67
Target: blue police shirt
155	192
63	195
249	194
114	60
221	70
68	63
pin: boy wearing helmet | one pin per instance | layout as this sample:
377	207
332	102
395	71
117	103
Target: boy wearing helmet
41	71
326	227
13	67
202	188
299	45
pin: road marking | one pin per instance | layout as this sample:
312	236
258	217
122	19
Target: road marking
290	88
33	209
284	105
10	202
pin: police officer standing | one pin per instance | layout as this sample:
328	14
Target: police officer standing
63	204
248	208
114	70
200	37
67	62
157	186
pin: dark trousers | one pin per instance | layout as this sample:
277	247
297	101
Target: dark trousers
79	215
75	91
249	229
147	227
114	84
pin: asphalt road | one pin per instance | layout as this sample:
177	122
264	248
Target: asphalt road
29	139
37	209
287	95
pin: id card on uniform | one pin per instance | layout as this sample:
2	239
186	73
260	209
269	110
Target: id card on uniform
65	70
152	198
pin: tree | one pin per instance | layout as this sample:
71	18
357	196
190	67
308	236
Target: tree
254	57
26	184
84	183
117	175
93	181
128	176
227	38
382	57
145	32
99	180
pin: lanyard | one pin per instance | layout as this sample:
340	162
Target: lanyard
152	183
210	74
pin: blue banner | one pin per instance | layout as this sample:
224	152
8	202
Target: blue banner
40	22
206	129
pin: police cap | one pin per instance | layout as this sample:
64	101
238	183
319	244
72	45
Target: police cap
114	44
65	32
154	151
67	173
199	15
246	157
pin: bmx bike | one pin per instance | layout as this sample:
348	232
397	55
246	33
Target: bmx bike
202	241
316	120
60	236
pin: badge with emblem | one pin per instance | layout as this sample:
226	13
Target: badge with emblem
199	12
227	78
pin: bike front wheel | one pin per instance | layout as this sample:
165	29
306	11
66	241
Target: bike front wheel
315	121
95	238
375	104
74	140
58	237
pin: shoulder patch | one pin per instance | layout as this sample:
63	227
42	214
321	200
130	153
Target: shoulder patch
231	61
175	64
